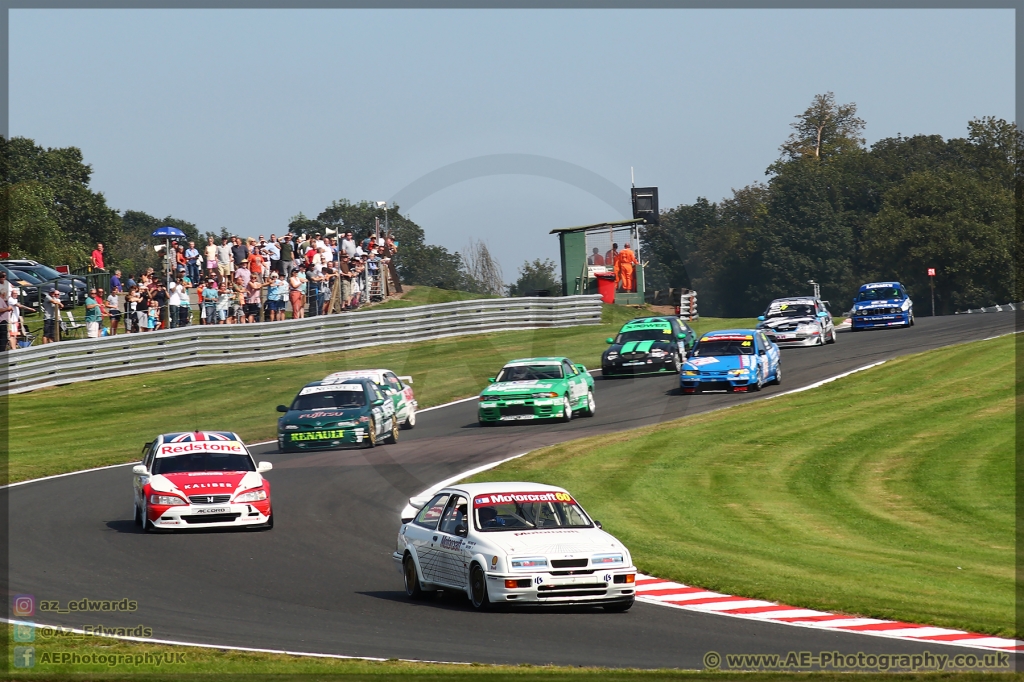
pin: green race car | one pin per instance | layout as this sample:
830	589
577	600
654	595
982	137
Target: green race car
648	345
337	412
537	388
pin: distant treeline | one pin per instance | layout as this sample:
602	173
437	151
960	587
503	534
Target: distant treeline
838	213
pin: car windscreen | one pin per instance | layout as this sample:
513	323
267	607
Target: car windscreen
644	335
529	372
46	272
202	461
27	276
527	511
330	399
790	310
881	294
717	347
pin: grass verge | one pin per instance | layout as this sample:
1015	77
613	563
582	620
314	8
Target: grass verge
90	424
191	663
420	295
888	494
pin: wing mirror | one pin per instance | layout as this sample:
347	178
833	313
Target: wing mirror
760	318
405	380
598	524
609	340
378	402
581	368
282	408
681	335
264	467
822	314
490	380
140	470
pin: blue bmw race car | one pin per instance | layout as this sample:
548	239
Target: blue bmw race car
882	304
731	360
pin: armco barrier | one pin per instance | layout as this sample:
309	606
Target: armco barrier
993	309
89	359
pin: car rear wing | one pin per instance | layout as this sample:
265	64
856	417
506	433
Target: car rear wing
405	380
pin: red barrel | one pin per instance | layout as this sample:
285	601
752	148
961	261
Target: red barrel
606	286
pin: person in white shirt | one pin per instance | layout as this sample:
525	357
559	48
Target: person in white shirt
348	245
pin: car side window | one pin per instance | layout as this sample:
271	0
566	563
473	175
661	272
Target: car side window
763	340
454	515
393	381
568	369
148	460
431	512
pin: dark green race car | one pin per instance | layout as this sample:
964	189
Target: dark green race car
537	388
648	345
334	413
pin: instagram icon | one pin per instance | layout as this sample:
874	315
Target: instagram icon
24	605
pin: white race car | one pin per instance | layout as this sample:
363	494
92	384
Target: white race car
512	543
399	388
798	321
200	479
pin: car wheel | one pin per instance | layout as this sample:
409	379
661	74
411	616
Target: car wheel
412	579
371	440
832	336
410	421
138	516
393	435
677	363
147	525
591	407
911	320
478	589
778	375
756	386
620	606
481	422
566	408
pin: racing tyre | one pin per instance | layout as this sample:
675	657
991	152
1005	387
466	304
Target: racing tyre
371	440
138	516
677	363
481	422
566	409
591	407
620	606
147	525
411	579
756	386
778	375
478	589
392	437
832	336
911	321
410	421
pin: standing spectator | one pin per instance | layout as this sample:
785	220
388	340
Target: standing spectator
345	275
276	292
224	258
5	317
173	301
153	315
158	294
273	253
210	255
184	309
295	293
135	310
97	257
243	274
115	282
253	300
224	304
609	257
15	323
114	310
208	297
348	245
625	263
239	252
51	316
256	264
314	277
595	258
93	315
389	252
192	261
287	256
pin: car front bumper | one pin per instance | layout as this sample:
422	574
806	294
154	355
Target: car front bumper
859	322
520	410
321	440
716	382
795	339
210	516
646	365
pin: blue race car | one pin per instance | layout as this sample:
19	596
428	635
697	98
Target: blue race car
731	360
882	304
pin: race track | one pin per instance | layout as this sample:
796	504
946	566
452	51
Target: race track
322	580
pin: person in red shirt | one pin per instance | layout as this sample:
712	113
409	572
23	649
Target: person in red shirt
256	264
97	257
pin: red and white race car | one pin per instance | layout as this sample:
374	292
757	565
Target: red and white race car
200	479
396	387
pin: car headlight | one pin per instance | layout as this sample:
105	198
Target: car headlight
364	419
605	559
739	372
166	499
252	496
658	353
548	394
690	373
529	563
611	355
291	427
808	327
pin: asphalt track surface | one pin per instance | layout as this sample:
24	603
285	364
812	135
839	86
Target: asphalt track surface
323	581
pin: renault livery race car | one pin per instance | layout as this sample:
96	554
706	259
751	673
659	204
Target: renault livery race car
731	360
882	304
646	345
335	412
200	479
512	543
537	388
390	384
798	321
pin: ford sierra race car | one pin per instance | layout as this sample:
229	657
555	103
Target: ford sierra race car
200	479
798	321
390	384
537	388
731	360
648	345
882	304
336	412
512	543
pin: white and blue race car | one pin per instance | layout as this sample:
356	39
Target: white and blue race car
737	360
882	304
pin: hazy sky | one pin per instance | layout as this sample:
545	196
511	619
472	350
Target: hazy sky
244	118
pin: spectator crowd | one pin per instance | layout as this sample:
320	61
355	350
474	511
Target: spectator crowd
239	281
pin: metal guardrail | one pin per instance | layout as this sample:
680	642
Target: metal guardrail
114	356
994	308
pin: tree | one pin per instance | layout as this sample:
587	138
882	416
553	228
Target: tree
825	129
133	251
482	271
536	276
30	231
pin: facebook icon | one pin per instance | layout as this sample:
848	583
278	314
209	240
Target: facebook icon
24	656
